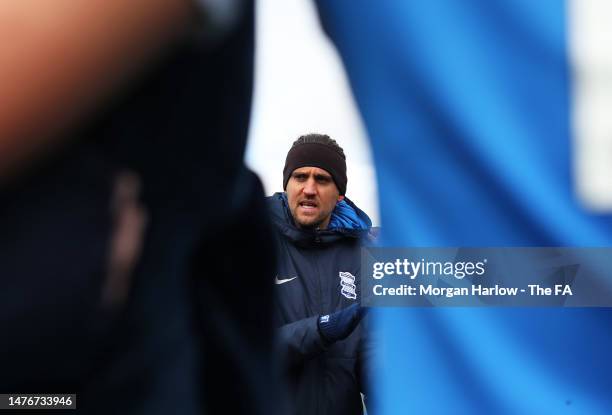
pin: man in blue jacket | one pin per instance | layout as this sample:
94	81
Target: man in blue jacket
319	233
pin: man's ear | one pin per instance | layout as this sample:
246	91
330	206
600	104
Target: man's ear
340	198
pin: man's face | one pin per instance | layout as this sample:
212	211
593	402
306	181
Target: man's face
312	196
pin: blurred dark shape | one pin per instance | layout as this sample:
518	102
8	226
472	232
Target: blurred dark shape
114	251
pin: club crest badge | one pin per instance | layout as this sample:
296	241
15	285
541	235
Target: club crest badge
347	285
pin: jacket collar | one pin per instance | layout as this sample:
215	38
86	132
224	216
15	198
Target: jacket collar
351	222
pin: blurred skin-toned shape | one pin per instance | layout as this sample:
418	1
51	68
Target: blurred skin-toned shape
60	59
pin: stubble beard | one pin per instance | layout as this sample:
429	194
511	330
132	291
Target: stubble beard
316	224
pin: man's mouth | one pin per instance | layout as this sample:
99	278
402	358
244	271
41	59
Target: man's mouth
308	205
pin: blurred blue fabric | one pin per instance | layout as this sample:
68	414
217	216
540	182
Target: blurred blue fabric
467	105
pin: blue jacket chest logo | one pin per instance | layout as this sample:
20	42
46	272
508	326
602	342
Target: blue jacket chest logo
347	285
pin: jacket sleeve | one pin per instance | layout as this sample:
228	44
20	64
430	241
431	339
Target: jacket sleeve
299	341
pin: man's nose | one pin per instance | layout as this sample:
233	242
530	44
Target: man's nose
310	188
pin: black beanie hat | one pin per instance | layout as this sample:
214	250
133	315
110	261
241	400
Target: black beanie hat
316	150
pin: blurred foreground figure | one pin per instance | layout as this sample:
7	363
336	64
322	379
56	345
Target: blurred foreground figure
122	190
468	109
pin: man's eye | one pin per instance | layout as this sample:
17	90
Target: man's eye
323	180
299	177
